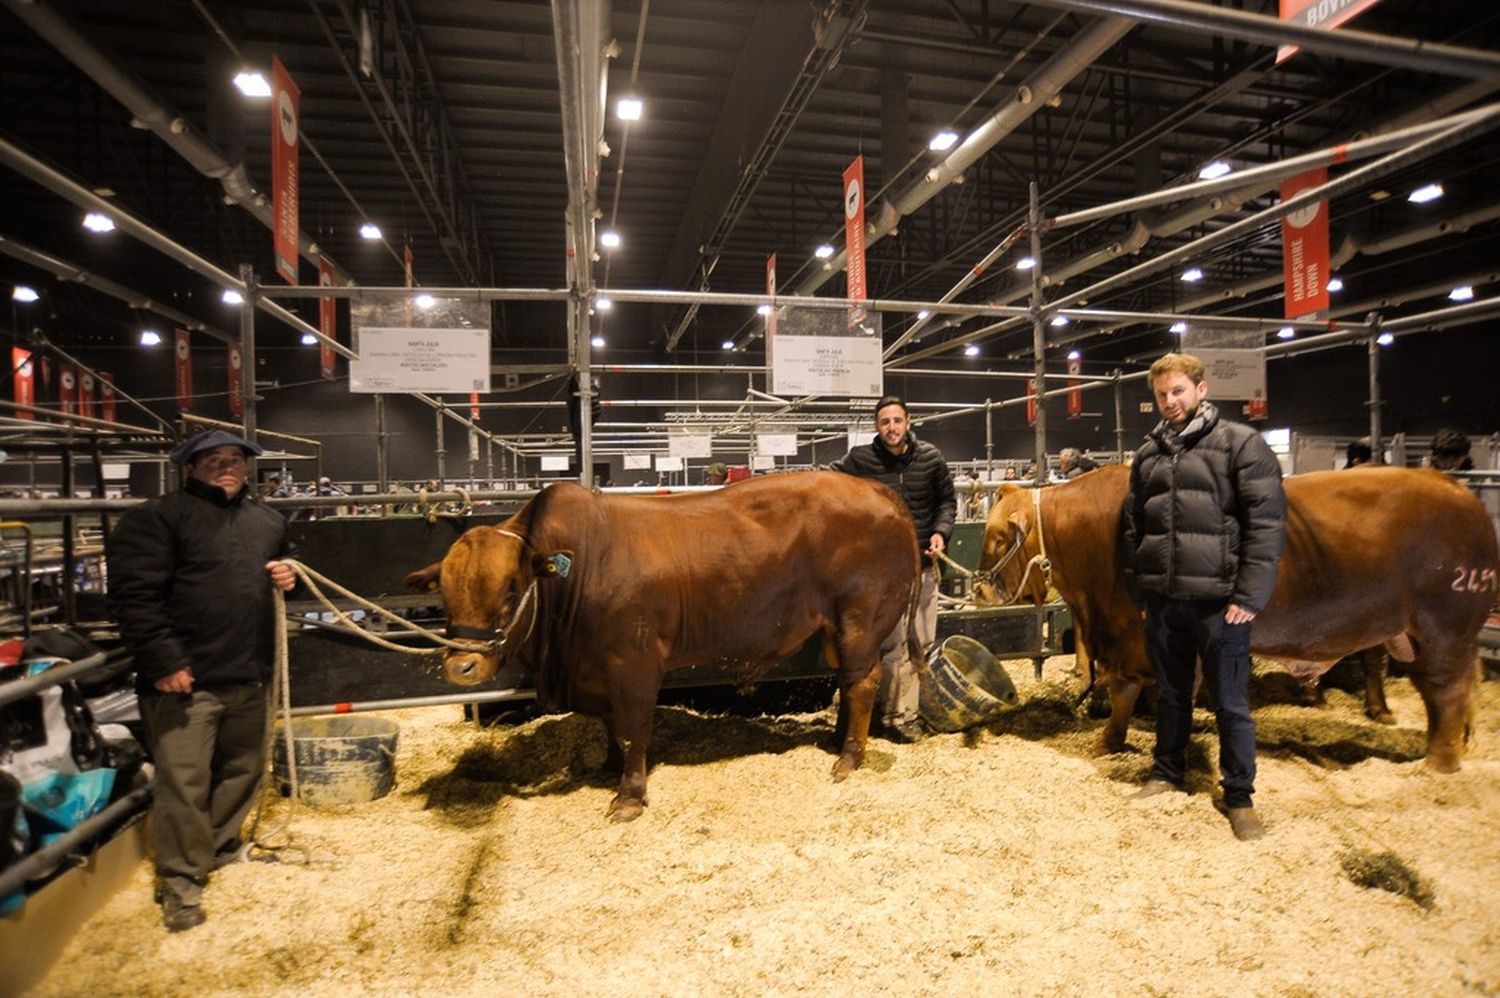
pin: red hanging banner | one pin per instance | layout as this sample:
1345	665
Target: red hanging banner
1304	250
182	348
286	185
25	380
107	396
1319	14
1075	395
86	393
854	235
46	374
1257	409
236	371
1030	401
68	395
474	406
327	322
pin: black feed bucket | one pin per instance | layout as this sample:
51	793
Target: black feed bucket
964	686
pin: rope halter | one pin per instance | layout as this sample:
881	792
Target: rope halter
1040	560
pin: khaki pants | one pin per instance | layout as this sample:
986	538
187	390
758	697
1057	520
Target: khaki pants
208	747
900	683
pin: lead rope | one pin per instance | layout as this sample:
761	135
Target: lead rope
1040	559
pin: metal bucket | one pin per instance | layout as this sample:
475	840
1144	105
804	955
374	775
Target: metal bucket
344	759
964	686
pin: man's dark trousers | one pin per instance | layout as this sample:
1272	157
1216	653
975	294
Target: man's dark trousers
1178	632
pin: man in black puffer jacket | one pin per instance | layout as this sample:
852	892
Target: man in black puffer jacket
190	577
918	474
1204	527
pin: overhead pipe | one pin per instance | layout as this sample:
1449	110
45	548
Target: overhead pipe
1223	194
65	271
1348	43
1027	99
150	113
34	169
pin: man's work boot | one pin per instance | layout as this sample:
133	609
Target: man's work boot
178	917
1245	824
906	731
1154	788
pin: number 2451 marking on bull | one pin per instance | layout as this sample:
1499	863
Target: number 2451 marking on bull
1475	580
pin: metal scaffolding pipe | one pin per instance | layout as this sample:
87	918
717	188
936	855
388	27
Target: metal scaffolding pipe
1349	43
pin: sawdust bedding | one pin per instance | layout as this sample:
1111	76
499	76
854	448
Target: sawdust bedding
1004	860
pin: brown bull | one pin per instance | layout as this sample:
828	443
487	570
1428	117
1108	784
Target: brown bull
600	596
1374	556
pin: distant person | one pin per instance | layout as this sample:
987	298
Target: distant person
715	473
1357	453
276	489
1450	451
190	580
1071	462
917	473
1205	522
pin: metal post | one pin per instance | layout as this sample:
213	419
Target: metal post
1374	362
382	476
1038	332
1119	418
68	582
247	348
989	440
489	462
442	452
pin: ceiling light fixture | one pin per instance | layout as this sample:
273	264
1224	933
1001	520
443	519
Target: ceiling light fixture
1385	339
762	310
96	221
609	239
1425	193
1178	327
629	108
150	338
597	342
1215	170
1025	263
24	293
972	350
1335	284
602	304
309	340
1074	355
1286	333
369	230
1192	275
924	314
824	251
424	300
1059	321
1464	292
942	141
252	83
727	344
232	297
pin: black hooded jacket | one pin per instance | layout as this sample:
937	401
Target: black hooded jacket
1206	515
920	477
189	587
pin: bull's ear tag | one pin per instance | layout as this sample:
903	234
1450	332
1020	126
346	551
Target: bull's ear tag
559	565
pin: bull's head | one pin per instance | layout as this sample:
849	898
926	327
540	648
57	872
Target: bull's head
488	580
1010	567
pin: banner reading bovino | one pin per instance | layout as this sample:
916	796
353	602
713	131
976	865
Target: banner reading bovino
1319	14
445	350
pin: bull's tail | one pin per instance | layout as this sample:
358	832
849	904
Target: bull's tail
914	650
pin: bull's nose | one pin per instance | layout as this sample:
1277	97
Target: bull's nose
463	668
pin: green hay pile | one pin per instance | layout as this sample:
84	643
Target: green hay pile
1388	872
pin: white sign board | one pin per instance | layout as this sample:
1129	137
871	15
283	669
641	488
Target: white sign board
665	463
827	365
1234	374
763	462
116	472
401	359
690	445
776	444
636	462
555	462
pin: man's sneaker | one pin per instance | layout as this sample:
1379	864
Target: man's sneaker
1154	788
178	917
1245	824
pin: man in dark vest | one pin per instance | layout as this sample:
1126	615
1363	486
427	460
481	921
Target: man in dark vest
1204	527
918	474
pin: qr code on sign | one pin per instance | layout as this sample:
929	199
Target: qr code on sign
478	385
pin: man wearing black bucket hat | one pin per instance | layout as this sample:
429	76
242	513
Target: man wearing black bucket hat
917	473
190	577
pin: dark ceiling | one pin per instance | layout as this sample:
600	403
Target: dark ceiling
753	109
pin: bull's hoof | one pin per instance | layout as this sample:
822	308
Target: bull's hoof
1443	763
1381	716
1108	743
625	808
844	765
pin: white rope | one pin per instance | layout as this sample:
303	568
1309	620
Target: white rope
281	695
